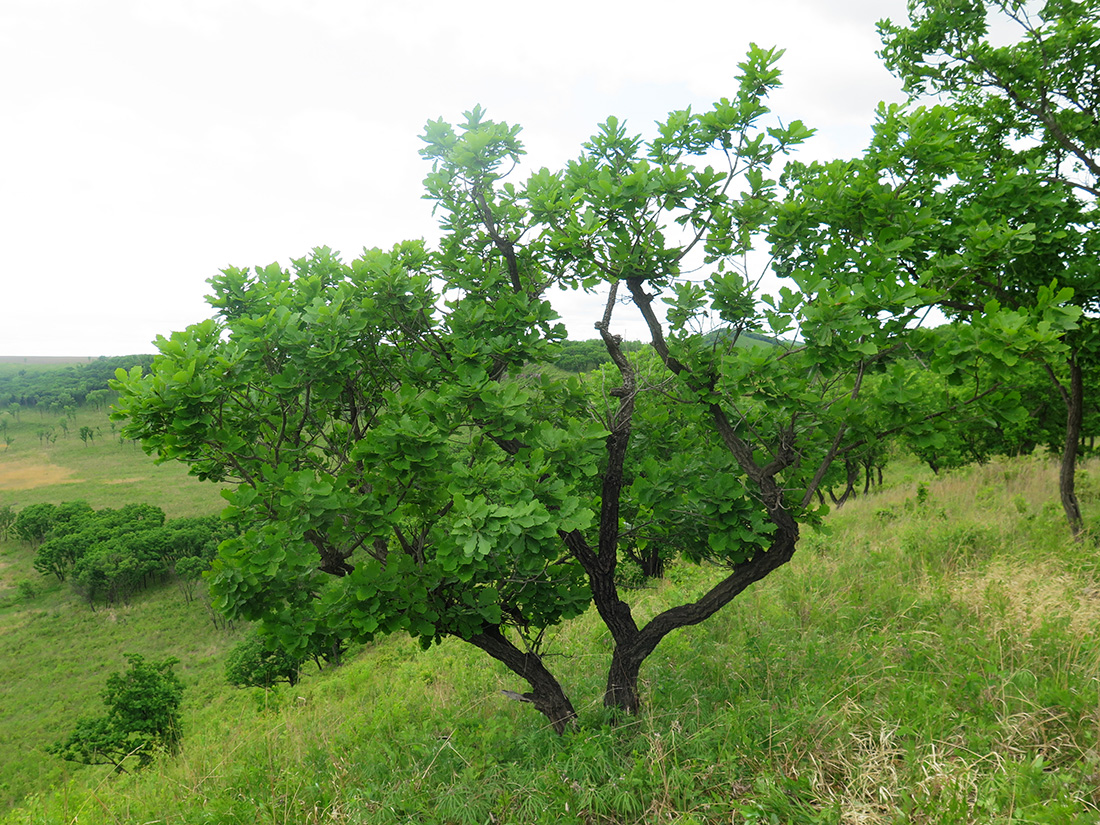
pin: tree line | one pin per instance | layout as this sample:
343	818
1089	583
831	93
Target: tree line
72	385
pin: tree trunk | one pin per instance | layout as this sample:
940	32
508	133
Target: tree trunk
631	650
1075	403
851	468
651	562
546	692
622	680
633	645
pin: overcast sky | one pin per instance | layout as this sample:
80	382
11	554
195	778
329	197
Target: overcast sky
148	144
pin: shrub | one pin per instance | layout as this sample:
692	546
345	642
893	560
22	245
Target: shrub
143	718
259	662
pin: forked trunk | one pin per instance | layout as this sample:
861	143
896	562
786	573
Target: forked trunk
632	649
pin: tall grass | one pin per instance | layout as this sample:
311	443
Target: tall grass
931	658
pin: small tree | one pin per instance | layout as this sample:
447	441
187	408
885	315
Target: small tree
189	570
401	464
142	718
260	662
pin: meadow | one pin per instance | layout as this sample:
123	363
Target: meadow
105	470
931	657
56	653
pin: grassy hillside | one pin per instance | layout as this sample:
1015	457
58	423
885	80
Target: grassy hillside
933	658
55	652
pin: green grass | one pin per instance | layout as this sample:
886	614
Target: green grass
932	658
104	471
57	654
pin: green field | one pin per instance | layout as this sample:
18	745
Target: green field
105	471
932	658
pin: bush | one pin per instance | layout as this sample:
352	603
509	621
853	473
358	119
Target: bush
143	718
258	662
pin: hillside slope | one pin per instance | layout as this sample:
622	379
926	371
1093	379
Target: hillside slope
931	659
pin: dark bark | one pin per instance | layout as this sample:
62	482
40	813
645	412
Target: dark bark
621	692
622	679
600	565
546	694
1075	406
851	468
634	645
1074	399
652	563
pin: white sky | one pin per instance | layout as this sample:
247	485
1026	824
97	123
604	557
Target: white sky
147	144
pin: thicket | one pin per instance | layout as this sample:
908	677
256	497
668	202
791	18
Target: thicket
108	555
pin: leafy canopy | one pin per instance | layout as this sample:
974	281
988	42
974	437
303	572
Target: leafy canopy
1023	88
403	462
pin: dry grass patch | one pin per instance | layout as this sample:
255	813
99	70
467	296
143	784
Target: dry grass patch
31	473
879	778
1012	595
862	779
